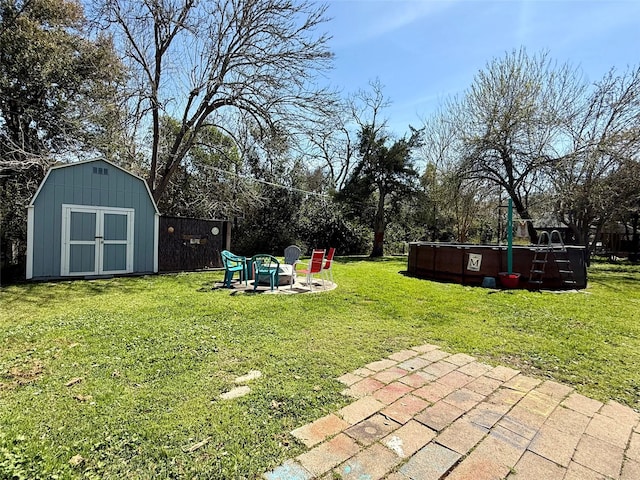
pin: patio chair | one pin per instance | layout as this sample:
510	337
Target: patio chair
315	266
232	264
265	266
327	267
292	254
292	257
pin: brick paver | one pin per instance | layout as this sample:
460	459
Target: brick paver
479	467
363	372
461	436
502	446
392	392
620	412
404	409
555	445
439	415
582	404
633	451
539	403
502	373
349	379
434	391
630	470
505	396
486	414
380	365
364	387
435	355
408	439
463	399
372	463
430	463
455	379
289	470
396	476
324	457
390	374
318	431
425	348
609	430
534	467
578	472
373	428
567	420
475	369
460	359
414	364
599	456
484	385
417	379
403	355
554	389
425	414
440	369
359	410
521	422
522	383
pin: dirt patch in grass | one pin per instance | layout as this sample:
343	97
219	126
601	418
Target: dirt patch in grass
22	374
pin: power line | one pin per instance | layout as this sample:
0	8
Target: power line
265	182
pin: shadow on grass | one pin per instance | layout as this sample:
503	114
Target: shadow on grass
614	267
42	292
206	288
366	258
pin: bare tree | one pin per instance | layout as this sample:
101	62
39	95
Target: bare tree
204	63
604	137
510	123
383	172
331	143
540	133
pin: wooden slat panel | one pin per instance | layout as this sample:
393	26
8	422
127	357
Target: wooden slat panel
191	245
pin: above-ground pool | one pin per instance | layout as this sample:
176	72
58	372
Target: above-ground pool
470	264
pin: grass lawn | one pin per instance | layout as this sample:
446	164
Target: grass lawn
153	354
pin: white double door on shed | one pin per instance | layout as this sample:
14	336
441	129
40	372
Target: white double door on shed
96	240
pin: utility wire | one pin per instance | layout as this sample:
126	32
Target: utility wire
265	182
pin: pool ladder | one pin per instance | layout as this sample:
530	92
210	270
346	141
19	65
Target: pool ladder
551	248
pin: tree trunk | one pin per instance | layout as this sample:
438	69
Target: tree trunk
524	215
378	229
635	239
378	244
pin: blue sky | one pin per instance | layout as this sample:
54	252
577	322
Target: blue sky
425	50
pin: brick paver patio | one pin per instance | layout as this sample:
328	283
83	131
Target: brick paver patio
425	414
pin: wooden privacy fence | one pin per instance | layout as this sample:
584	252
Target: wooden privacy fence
189	244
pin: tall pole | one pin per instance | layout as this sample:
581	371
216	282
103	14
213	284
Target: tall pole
499	218
510	237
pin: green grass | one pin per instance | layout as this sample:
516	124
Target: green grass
155	353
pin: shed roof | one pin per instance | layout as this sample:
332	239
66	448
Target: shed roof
67	165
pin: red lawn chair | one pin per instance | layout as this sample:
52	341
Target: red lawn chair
327	269
315	266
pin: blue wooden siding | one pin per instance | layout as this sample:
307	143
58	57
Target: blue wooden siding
115	257
92	184
83	226
82	258
115	227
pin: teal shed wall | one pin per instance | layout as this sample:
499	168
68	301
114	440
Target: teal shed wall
87	184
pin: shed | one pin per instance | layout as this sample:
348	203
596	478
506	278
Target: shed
91	218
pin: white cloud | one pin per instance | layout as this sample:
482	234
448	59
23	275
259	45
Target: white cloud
366	20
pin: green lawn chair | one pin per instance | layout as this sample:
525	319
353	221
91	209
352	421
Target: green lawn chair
232	264
265	266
